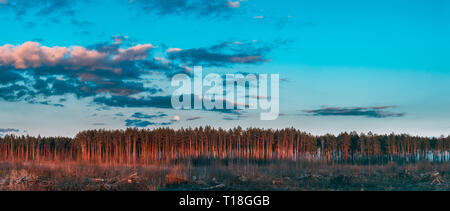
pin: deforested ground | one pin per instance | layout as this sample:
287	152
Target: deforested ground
279	175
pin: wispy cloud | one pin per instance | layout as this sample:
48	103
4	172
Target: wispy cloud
9	130
374	112
145	123
99	124
140	115
125	101
40	8
153	102
193	118
225	54
4	131
196	8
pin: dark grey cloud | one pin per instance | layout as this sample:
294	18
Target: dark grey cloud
119	114
196	8
131	102
112	74
9	130
47	102
140	115
234	117
145	123
141	120
15	92
125	101
37	40
80	23
153	102
374	112
225	54
49	7
194	118
40	8
230	118
99	124
7	77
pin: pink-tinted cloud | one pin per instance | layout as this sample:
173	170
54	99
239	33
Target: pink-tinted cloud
82	57
171	50
31	54
118	39
233	4
34	55
134	53
245	59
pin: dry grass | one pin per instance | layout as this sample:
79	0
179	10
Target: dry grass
217	175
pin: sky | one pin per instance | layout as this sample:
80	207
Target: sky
380	66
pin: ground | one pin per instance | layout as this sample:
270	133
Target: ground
277	175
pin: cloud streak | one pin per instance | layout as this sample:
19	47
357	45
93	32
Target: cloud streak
193	118
372	112
39	8
145	123
9	130
140	115
224	54
196	8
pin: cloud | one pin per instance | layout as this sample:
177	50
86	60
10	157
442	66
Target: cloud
194	118
125	101
118	39
99	124
171	50
374	112
116	74
108	57
40	8
7	77
30	70
31	54
14	92
47	102
144	123
138	52
34	55
78	23
224	54
153	102
9	130
119	114
197	8
233	4
140	115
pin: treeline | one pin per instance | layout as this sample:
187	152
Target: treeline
134	146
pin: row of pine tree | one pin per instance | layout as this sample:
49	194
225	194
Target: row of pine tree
134	146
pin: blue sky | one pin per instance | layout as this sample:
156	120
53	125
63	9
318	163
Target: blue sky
379	66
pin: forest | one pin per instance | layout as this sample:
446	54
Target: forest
164	145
